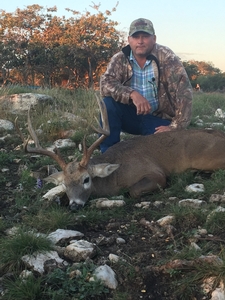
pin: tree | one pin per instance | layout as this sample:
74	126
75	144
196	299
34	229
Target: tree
205	68
50	47
212	83
192	71
204	74
16	31
93	39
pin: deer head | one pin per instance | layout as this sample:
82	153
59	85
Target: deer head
76	176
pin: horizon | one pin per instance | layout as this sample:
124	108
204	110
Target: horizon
191	29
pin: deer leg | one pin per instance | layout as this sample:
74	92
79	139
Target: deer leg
147	184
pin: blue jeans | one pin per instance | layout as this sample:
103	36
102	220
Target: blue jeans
123	117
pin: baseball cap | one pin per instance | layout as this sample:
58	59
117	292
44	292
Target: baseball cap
141	25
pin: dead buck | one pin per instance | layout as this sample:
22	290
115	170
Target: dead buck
139	165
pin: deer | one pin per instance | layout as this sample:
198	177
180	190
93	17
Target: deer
139	165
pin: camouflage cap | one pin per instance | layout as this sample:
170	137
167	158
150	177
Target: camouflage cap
141	25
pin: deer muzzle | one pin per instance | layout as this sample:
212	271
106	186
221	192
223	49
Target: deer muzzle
76	204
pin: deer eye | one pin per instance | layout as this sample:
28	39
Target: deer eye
86	180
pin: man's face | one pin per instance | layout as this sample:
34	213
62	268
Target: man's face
141	43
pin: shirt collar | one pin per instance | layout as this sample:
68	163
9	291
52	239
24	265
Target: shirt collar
132	58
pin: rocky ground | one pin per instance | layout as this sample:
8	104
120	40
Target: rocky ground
150	265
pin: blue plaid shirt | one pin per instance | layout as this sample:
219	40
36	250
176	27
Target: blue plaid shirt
143	81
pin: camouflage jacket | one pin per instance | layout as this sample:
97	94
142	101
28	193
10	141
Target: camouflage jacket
174	88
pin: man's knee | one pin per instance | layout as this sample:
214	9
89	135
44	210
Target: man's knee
114	116
109	102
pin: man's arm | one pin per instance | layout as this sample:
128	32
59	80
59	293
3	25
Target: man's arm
112	81
180	93
141	103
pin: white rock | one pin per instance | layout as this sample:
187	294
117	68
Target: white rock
61	234
80	250
120	241
106	203
195	246
63	143
214	260
36	261
39	131
73	118
173	199
3	138
207	284
7	125
12	231
166	220
219	113
25	274
217	210
158	204
143	204
195	203
199	122
114	258
215	124
202	231
218	294
107	276
195	187
215	198
20	103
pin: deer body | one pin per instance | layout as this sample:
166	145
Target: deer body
146	161
139	165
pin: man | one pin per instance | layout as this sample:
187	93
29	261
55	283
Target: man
145	87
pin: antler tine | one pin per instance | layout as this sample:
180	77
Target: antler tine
19	131
104	131
38	149
32	132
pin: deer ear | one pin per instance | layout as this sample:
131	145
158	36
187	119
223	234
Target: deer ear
102	170
56	178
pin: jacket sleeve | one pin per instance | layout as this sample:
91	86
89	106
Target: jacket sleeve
179	91
114	83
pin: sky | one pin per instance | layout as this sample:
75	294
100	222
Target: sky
193	29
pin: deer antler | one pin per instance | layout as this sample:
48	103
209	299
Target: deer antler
38	149
104	131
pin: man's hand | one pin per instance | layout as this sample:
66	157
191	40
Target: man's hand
162	129
142	104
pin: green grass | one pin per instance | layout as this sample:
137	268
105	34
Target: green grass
187	283
22	243
215	223
215	184
49	218
6	158
3	227
24	289
13	89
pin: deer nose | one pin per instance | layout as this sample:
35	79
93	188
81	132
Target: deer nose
75	206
